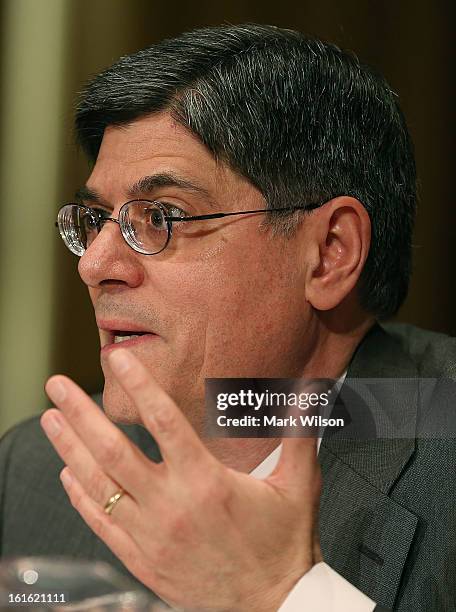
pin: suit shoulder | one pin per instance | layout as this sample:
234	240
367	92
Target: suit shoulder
29	429
25	444
433	353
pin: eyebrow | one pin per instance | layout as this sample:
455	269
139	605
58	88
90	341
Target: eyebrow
85	193
147	184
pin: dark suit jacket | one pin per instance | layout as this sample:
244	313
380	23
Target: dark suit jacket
387	510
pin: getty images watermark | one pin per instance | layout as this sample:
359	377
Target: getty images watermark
267	400
353	408
270	407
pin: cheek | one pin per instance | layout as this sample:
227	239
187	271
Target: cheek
255	311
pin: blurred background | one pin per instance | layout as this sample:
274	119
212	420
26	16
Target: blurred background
49	48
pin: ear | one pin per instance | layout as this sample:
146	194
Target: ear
339	239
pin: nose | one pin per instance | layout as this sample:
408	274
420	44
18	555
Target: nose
109	260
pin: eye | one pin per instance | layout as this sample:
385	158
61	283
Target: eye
100	213
156	219
172	210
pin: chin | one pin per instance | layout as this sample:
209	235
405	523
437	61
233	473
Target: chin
118	406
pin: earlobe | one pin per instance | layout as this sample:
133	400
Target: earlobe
342	233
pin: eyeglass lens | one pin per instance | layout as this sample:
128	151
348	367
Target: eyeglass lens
143	226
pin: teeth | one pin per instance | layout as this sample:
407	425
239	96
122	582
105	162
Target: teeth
118	339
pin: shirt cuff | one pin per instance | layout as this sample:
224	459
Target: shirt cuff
324	590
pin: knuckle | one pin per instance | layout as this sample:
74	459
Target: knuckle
214	490
73	410
98	526
111	450
137	381
96	486
166	419
66	446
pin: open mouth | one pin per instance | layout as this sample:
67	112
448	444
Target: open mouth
112	338
124	336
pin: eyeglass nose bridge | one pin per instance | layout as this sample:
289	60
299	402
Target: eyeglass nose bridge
101	222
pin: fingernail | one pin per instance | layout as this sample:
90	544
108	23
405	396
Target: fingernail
51	425
56	390
66	478
120	360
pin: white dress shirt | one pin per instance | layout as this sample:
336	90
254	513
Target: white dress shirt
322	589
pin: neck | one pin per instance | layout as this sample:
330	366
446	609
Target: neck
333	345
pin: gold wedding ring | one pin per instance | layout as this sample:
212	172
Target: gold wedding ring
112	501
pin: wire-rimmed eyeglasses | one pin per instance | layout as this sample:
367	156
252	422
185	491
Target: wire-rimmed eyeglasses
146	225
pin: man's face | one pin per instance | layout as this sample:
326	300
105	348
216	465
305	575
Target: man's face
224	299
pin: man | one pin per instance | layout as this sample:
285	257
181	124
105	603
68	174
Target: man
306	154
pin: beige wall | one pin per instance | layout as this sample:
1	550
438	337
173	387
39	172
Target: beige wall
50	47
33	65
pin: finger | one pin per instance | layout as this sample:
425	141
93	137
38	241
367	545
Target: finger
179	444
98	485
298	464
105	526
116	455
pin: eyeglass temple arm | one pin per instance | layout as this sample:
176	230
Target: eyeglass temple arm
229	214
244	212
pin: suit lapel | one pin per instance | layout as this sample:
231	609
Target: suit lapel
365	535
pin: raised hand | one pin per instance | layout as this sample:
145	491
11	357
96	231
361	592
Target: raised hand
200	535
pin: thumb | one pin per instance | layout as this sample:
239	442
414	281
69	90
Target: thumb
298	464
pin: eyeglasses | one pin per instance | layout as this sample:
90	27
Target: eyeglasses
146	225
